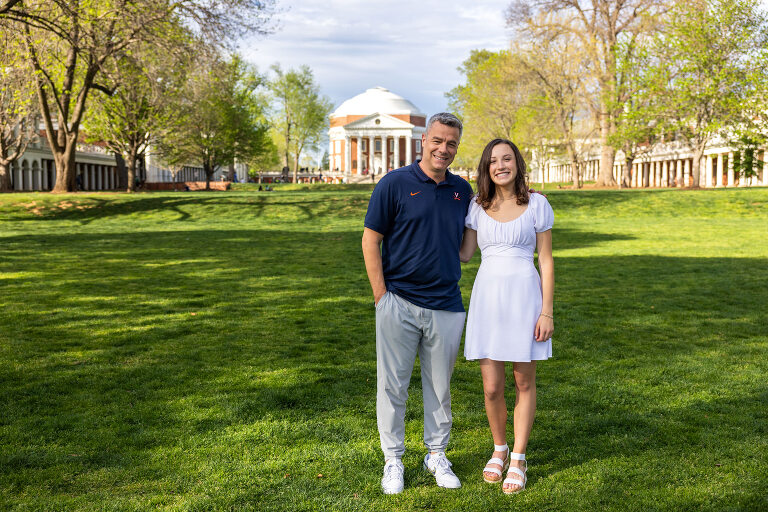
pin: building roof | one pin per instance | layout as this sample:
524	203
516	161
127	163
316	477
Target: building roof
377	99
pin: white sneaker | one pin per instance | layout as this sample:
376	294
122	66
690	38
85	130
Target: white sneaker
440	467
392	481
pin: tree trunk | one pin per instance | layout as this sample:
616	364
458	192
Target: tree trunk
574	167
626	173
698	152
66	168
122	176
646	174
5	176
607	153
130	167
208	169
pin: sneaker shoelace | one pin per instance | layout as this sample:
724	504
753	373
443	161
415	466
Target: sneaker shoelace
442	464
393	471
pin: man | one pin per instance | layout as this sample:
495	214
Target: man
413	231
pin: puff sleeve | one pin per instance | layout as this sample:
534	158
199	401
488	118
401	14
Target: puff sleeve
543	216
470	220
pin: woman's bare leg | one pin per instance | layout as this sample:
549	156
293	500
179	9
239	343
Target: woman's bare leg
525	410
495	405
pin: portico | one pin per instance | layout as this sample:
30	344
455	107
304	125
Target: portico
374	132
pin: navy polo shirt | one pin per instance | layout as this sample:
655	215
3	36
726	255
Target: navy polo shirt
423	224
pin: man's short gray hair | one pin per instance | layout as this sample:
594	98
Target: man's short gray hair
447	119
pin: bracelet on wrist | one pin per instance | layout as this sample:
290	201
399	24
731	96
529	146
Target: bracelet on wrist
548	316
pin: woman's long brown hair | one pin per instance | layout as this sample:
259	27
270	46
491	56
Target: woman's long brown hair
486	188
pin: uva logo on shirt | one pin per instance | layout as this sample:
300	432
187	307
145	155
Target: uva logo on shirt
456	196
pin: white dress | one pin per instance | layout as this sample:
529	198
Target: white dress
506	297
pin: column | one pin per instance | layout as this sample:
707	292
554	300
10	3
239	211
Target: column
686	171
677	173
664	174
44	176
347	155
359	154
409	149
719	175
371	151
730	169
28	179
384	148
709	171
765	168
397	152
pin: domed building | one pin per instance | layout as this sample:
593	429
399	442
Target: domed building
375	131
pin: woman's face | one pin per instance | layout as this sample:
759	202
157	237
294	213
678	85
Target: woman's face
503	168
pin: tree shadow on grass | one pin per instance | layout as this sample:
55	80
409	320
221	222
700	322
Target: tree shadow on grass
139	342
87	209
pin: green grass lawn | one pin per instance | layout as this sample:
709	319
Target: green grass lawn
215	351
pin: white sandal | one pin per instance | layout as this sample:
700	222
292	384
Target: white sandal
519	477
495	460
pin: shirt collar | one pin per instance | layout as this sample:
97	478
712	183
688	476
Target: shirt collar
421	175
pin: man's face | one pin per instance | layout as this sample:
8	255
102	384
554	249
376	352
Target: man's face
439	146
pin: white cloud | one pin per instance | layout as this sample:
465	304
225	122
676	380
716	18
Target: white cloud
411	48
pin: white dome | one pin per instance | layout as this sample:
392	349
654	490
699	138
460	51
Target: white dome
375	100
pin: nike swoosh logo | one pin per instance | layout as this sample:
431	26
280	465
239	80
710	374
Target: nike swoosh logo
414	193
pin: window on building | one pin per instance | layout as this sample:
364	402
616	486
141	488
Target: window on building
418	146
337	146
391	145
377	145
365	144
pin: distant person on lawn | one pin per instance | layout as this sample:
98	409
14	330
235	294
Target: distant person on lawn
510	312
413	231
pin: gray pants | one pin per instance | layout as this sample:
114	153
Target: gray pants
403	330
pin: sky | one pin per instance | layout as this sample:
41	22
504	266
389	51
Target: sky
412	48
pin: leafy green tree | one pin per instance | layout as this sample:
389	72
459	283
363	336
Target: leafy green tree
145	82
18	114
599	25
640	123
68	42
497	99
221	118
301	114
561	94
715	64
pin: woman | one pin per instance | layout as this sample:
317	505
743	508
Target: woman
510	313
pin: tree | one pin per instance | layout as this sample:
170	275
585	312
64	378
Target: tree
68	43
301	114
498	99
6	5
221	118
557	65
714	63
599	26
640	122
145	81
18	115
